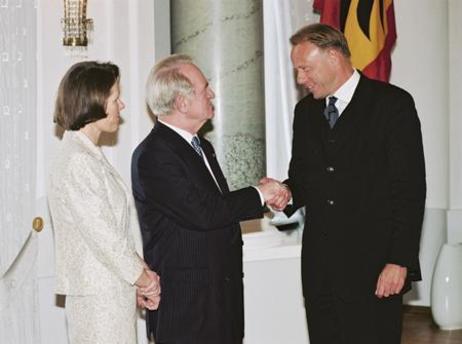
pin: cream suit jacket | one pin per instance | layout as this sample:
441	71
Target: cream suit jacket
97	236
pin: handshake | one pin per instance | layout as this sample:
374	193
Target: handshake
275	194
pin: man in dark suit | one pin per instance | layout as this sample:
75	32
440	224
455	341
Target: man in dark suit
189	219
358	167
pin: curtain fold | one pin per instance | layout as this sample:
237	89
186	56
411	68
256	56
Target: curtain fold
281	20
18	298
18	244
17	126
280	91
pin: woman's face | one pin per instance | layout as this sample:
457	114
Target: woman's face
114	105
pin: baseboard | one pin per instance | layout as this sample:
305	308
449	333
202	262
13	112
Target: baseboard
417	310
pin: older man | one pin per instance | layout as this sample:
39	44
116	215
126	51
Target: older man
358	168
189	218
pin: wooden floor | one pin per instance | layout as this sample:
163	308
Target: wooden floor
418	328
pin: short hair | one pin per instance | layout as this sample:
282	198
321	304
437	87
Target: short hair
323	36
83	93
165	83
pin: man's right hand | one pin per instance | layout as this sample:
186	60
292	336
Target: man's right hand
276	194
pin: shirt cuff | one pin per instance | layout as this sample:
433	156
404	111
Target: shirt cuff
262	199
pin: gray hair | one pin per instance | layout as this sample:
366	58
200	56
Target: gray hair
165	83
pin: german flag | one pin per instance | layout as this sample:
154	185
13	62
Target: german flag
369	26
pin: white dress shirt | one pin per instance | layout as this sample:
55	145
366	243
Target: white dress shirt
345	92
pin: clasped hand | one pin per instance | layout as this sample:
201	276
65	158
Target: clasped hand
276	194
148	296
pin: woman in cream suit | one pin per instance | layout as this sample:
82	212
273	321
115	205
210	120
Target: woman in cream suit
97	237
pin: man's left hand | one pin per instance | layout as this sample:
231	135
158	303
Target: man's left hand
391	280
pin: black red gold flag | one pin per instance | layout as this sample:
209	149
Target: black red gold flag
369	26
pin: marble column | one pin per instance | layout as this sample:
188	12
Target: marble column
225	39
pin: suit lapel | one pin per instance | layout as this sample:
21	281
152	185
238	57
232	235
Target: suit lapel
315	109
348	124
215	166
186	152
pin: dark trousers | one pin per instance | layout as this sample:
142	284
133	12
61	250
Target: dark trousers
367	320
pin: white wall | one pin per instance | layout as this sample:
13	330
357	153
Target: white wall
427	62
455	96
274	306
420	65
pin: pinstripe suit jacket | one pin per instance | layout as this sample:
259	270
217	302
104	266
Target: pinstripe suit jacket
192	238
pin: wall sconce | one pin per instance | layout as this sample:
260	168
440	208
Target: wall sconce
75	23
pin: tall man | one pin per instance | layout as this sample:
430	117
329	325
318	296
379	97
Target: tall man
358	167
189	218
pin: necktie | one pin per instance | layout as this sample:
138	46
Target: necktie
196	143
331	111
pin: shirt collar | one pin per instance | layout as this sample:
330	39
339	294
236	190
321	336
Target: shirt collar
183	133
346	91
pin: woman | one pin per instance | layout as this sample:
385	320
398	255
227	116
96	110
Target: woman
93	213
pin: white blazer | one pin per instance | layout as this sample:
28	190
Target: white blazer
95	223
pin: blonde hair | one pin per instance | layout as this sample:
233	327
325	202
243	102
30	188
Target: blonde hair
323	36
165	83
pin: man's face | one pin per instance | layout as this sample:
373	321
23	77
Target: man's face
200	103
314	68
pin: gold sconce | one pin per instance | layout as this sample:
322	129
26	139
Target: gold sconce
75	23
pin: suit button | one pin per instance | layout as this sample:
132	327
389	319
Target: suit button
331	141
330	202
227	279
330	169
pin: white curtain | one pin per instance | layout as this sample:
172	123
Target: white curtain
281	20
18	247
280	93
18	297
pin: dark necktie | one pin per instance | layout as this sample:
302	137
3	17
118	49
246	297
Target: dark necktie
331	111
196	143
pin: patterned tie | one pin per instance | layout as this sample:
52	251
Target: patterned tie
331	111
196	143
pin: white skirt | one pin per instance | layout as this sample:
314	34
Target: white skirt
107	318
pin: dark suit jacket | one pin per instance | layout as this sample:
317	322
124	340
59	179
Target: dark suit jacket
191	238
363	185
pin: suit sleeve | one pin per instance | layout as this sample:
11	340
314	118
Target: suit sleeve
92	212
408	186
167	187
